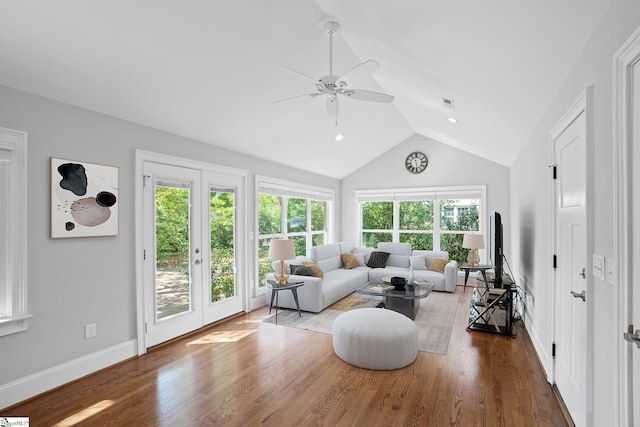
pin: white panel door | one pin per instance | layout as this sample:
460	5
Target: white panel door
570	371
172	273
224	211
634	284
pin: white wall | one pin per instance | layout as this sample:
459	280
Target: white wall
447	167
73	282
530	201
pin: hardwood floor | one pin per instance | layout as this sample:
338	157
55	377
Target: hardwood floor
244	372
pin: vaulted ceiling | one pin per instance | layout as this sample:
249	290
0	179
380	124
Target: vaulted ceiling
211	70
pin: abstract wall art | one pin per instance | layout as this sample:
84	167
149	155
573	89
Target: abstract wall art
84	199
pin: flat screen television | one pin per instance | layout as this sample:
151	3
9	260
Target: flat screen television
495	245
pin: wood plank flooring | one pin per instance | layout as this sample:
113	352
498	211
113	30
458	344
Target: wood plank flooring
243	372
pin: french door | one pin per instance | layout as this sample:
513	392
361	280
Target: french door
190	249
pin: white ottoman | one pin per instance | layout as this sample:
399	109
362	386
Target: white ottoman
375	338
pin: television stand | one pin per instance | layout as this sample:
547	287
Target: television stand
491	308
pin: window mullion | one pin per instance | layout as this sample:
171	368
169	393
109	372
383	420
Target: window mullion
436	224
396	222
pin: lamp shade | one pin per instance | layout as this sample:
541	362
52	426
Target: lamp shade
473	241
282	249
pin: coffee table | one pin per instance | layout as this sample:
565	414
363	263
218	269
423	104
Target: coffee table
405	301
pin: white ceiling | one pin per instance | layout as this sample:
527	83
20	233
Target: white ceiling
210	70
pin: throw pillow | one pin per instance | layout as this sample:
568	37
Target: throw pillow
315	268
301	270
378	259
418	262
438	265
349	261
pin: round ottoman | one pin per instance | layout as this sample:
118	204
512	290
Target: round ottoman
375	338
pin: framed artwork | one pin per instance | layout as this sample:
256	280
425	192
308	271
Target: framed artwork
84	199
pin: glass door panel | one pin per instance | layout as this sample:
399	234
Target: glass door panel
222	226
173	272
172	229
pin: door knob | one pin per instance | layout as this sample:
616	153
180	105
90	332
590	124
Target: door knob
583	273
581	295
631	337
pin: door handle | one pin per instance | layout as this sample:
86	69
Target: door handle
583	273
582	295
631	337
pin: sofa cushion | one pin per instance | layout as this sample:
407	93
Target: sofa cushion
349	261
365	252
327	256
317	271
438	279
438	265
398	253
378	259
345	247
301	270
418	262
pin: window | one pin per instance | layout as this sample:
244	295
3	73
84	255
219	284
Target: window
289	212
428	219
13	231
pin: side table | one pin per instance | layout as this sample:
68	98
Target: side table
482	268
275	288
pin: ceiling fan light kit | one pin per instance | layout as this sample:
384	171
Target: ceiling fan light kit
333	86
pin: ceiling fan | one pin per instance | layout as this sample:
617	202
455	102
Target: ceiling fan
335	86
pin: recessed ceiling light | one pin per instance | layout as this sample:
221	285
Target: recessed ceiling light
452	119
339	137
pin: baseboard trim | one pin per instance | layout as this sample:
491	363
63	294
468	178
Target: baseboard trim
43	381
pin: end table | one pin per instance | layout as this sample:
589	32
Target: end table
275	288
482	268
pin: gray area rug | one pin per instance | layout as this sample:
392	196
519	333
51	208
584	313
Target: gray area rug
434	320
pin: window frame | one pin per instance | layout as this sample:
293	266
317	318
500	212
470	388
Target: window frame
437	194
13	225
289	190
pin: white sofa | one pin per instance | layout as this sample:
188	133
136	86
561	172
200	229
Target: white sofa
338	282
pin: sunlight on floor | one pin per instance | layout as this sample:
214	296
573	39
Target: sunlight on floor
84	414
222	336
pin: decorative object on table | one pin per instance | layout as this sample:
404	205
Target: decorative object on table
279	250
84	199
416	162
410	279
398	282
473	241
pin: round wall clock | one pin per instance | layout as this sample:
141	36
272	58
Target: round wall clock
416	162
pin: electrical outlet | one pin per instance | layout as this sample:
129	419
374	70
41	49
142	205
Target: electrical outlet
89	330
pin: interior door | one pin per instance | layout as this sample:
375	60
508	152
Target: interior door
633	284
570	370
173	252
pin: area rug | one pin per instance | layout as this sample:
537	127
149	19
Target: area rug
434	320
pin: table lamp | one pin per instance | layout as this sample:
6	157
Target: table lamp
279	250
473	242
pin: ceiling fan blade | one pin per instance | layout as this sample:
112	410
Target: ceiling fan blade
367	95
367	67
299	75
307	95
333	106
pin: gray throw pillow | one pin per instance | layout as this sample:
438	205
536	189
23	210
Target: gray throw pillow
301	270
